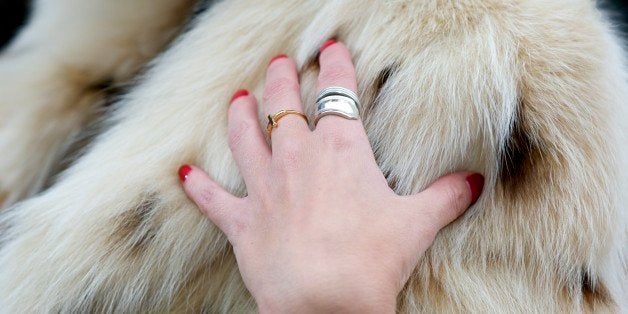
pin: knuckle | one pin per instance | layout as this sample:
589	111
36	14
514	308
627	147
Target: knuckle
336	139
237	133
236	228
211	201
429	232
290	157
454	196
280	87
336	72
429	223
291	153
207	198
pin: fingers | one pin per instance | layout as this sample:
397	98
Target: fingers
220	206
282	92
446	199
336	69
246	140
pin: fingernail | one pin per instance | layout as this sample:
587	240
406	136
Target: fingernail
239	93
277	57
183	172
326	44
476	184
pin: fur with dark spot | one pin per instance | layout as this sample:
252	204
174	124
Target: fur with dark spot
111	92
310	65
517	154
594	292
135	227
198	9
383	77
3	196
109	88
378	84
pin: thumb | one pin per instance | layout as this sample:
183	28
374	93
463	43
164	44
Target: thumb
220	206
447	198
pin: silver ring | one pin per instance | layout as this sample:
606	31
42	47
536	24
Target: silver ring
337	90
337	101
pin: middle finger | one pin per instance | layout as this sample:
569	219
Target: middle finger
282	92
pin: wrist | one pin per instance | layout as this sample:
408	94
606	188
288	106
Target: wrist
325	303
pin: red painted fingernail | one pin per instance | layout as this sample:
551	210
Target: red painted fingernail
277	57
476	184
239	93
326	44
183	172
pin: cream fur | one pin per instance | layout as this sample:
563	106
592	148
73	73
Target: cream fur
51	74
532	93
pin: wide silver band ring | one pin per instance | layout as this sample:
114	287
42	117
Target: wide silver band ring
337	90
337	101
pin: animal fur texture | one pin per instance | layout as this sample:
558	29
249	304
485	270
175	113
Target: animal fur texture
57	73
532	93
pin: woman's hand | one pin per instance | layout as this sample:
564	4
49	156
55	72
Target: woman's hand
320	230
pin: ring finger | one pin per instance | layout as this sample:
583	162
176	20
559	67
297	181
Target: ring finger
337	70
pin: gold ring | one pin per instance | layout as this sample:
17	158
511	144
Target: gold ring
273	119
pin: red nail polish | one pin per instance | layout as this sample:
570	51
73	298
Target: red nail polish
183	172
326	44
239	93
277	57
476	184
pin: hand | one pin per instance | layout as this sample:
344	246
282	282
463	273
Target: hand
320	230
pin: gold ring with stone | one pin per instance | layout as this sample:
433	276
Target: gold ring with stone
273	119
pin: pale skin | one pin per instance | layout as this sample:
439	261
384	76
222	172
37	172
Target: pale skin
320	229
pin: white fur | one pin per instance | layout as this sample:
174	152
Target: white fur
116	233
50	73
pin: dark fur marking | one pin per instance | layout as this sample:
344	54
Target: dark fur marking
134	226
517	156
594	293
311	65
376	87
112	92
201	6
198	9
383	77
3	196
76	149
